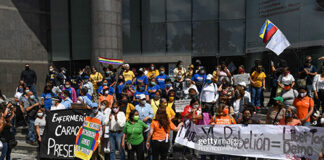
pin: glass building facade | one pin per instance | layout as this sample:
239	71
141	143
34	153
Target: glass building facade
183	27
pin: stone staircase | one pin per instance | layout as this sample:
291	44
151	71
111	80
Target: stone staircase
23	150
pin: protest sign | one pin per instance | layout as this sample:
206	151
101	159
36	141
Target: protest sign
181	104
88	138
60	132
238	78
260	141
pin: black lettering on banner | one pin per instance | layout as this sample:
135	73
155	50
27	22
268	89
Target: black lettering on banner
225	133
210	131
60	133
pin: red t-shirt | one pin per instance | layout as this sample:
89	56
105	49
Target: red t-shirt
189	109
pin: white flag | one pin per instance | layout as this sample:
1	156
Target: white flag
278	42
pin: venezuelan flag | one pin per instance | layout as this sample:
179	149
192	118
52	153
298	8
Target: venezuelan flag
110	61
268	29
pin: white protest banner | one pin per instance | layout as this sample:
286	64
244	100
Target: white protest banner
260	141
238	78
181	104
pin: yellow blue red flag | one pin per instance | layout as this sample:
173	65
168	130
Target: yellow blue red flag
267	31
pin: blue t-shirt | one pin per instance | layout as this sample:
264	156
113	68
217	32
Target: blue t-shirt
48	100
160	79
309	78
141	79
154	89
120	88
199	78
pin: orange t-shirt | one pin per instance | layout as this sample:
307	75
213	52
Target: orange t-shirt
159	133
109	98
302	105
223	120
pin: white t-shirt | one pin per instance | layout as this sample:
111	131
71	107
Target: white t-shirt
318	83
41	123
59	107
286	79
209	93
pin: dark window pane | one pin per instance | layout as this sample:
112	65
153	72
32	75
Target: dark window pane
153	11
81	29
131	39
131	11
154	39
178	10
232	9
179	37
205	39
232	37
60	30
205	10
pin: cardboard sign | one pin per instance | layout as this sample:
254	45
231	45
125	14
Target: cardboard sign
238	78
88	138
181	104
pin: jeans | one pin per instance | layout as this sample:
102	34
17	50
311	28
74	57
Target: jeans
138	149
148	151
31	130
309	88
256	96
160	150
115	139
306	124
6	151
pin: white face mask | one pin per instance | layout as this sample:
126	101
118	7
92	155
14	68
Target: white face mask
302	94
106	92
143	101
40	114
102	107
196	106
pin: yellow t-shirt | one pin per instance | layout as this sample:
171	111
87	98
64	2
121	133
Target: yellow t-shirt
155	106
170	112
152	74
128	75
94	78
215	75
258	78
129	108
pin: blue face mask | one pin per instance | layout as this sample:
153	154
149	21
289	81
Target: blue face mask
209	81
32	97
142	88
153	83
105	84
168	85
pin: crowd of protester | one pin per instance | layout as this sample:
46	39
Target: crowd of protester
136	107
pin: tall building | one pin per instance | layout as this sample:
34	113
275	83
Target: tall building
73	33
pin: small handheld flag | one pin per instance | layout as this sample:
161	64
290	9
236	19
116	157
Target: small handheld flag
110	61
278	42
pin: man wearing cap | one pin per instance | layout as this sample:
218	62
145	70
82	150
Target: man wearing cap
96	113
128	75
187	86
209	95
247	94
87	84
146	113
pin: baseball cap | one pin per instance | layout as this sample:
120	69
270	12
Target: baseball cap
278	99
142	96
243	84
209	77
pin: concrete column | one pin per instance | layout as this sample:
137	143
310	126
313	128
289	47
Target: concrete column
106	29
